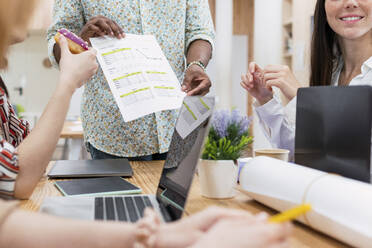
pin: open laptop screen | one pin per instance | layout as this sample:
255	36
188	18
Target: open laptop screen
183	155
333	130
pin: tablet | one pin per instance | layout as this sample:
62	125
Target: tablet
91	168
97	187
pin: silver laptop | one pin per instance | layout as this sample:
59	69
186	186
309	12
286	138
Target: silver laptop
175	182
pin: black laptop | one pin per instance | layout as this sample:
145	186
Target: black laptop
91	168
175	182
333	130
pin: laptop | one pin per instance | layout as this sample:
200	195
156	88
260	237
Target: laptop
91	168
178	172
333	130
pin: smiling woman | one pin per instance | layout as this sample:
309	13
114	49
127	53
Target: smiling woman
341	28
341	54
343	17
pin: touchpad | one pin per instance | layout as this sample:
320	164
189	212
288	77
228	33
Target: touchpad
69	207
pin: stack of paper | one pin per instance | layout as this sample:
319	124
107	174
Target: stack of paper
341	207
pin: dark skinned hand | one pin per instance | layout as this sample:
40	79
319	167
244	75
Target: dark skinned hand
99	26
196	81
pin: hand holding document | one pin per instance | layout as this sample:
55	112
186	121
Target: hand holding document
340	207
139	75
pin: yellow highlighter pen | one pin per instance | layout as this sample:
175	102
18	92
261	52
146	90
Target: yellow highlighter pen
290	214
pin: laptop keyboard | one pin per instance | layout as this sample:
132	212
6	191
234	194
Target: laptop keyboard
121	208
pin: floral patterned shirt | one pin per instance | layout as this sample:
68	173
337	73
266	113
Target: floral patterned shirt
175	24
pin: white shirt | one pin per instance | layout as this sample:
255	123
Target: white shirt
279	122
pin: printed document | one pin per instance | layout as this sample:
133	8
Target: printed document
196	110
139	75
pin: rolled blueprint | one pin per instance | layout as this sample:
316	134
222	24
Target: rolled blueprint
341	207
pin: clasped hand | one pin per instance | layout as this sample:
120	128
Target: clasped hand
259	82
218	227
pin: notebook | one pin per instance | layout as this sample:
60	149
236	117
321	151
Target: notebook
91	168
97	187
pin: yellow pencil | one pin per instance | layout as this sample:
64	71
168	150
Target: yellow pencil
290	214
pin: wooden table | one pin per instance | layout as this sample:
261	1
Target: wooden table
73	148
72	130
147	175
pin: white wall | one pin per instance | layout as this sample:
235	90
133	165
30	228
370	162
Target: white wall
25	61
268	32
222	52
229	60
302	12
236	94
267	47
239	65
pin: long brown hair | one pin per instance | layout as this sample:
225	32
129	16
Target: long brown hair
324	48
13	14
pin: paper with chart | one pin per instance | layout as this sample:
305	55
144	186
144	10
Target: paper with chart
196	110
139	75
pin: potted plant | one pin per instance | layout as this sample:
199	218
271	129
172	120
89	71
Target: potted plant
227	138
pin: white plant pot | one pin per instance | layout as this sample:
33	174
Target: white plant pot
218	178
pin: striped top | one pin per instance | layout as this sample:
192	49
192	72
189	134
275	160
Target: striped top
13	131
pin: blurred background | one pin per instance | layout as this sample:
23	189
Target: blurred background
264	31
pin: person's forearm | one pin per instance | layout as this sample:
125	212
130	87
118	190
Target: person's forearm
33	230
35	152
57	52
199	50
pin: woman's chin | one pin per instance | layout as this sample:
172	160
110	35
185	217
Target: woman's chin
353	35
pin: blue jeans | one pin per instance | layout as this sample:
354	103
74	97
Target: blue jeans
97	154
